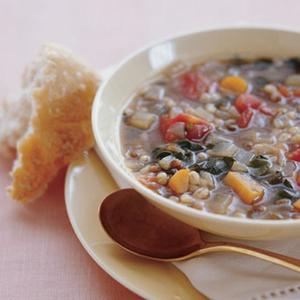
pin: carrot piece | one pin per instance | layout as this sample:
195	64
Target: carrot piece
283	90
296	92
179	182
246	188
150	183
234	84
297	205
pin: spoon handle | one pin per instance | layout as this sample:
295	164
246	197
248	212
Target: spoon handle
276	258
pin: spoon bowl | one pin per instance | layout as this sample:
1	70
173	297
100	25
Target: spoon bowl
140	227
144	230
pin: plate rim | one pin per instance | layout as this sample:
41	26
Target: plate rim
89	250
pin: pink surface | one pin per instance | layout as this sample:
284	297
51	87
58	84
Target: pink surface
40	257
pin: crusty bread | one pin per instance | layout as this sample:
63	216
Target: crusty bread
55	123
15	111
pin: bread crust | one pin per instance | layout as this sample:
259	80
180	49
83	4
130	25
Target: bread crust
60	89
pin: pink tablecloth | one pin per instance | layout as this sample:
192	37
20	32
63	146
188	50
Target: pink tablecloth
40	258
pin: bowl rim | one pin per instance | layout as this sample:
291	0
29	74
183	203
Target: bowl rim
160	200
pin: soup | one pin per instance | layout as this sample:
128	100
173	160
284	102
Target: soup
220	136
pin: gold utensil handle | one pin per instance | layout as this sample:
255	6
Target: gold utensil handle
276	258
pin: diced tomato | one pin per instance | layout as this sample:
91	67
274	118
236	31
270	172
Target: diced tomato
164	123
196	132
267	111
195	128
283	90
298	178
170	137
294	155
294	152
246	101
192	85
294	147
245	118
296	92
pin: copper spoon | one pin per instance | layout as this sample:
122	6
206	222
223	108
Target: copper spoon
142	229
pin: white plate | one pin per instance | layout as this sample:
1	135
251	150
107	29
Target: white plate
87	184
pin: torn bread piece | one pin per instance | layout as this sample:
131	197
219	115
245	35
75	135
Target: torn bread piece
15	112
60	90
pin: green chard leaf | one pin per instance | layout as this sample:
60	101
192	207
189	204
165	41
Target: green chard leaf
214	165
